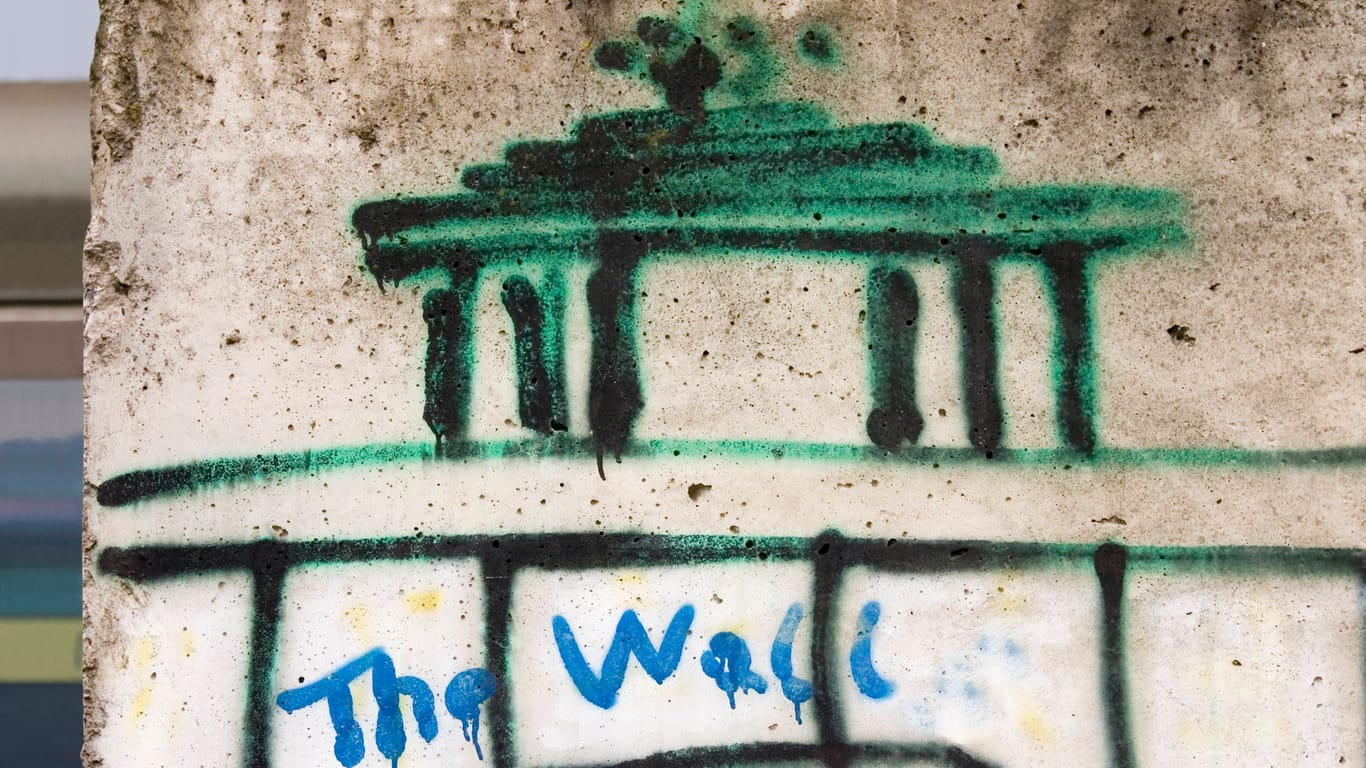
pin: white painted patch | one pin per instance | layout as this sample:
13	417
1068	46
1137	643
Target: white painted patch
427	616
1003	664
555	725
1246	668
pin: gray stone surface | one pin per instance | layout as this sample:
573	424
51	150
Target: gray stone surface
230	317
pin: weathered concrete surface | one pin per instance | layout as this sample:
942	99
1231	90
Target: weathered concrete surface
230	315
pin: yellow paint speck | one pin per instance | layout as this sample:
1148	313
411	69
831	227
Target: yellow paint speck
424	601
187	643
142	701
1036	727
143	654
358	616
1007	603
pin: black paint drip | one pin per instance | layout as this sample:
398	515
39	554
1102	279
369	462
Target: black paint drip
1111	561
976	295
537	385
614	394
893	309
448	362
1066	264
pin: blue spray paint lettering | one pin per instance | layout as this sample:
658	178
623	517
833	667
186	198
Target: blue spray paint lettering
630	638
794	688
869	682
464	694
727	661
390	736
349	745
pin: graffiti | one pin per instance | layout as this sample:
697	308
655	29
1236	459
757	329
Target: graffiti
630	639
720	173
727	661
336	690
688	181
870	683
833	560
464	694
795	689
143	484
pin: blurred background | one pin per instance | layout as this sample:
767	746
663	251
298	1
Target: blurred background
45	53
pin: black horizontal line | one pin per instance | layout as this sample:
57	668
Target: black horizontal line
761	753
581	551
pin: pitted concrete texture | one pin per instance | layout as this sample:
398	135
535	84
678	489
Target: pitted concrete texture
232	146
1036	325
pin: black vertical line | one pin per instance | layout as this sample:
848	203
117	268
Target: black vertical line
497	572
893	310
534	384
827	559
1111	561
269	562
1361	610
614	393
553	343
1066	263
447	377
976	298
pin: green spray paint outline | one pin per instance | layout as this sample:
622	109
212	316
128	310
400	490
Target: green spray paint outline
841	183
145	484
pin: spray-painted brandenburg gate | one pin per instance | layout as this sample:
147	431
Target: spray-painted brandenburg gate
687	181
